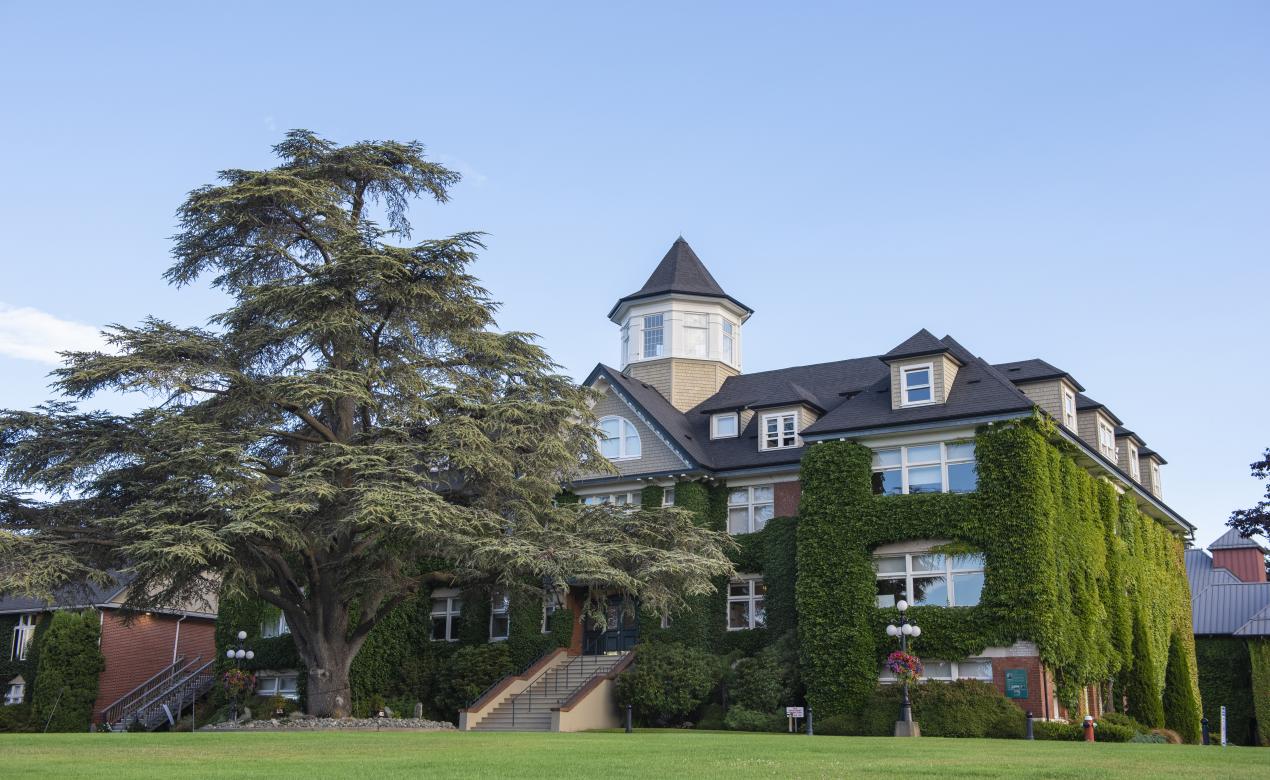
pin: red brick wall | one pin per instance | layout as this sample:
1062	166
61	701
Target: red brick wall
137	651
1248	564
786	498
1039	684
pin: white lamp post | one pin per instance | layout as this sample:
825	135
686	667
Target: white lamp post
906	727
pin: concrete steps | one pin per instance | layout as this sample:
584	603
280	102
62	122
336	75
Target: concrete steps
530	710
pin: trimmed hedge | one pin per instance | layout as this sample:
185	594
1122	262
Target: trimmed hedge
1181	711
1225	678
965	708
666	682
66	680
742	719
1085	562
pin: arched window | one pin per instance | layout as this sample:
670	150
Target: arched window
618	438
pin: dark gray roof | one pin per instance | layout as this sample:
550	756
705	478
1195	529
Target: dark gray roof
1221	603
1084	402
1148	452
680	271
1035	370
921	343
1201	573
79	595
1233	540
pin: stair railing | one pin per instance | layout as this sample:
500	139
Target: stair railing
565	673
150	713
115	711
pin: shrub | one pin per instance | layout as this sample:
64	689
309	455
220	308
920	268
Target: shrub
966	708
468	673
1055	730
66	680
742	719
16	718
1112	732
711	718
1169	735
1181	711
1140	686
757	684
1120	719
1154	739
666	681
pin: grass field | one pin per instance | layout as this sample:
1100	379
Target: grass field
666	755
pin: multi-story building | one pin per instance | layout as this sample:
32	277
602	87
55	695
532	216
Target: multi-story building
678	410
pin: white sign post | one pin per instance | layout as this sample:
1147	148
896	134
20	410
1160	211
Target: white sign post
793	714
1223	725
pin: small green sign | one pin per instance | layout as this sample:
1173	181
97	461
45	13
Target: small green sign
1016	683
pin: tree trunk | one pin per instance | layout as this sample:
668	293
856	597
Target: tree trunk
329	693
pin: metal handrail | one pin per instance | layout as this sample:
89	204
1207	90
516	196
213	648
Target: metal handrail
194	678
523	669
565	672
124	703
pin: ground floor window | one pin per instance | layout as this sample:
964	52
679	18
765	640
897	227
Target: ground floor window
929	579
274	625
447	609
285	685
628	498
500	622
668	496
749	508
747	608
947	671
550	603
15	691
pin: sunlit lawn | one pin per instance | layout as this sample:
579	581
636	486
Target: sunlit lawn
662	754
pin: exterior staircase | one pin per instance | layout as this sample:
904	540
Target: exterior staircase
549	687
161	698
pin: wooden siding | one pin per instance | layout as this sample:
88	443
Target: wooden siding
682	381
943	372
654	454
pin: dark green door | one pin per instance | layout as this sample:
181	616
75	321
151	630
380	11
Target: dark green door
620	632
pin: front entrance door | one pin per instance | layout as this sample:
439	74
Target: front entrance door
620	632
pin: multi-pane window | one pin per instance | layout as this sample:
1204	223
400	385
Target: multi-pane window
550	603
627	498
1135	469
654	336
619	438
1155	480
729	342
1106	439
23	633
500	621
284	685
942	467
749	508
915	385
626	343
446	617
779	431
1069	409
275	625
724	426
968	669
15	693
696	335
746	603
668	496
929	579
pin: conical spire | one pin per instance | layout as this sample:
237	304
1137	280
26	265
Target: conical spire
680	271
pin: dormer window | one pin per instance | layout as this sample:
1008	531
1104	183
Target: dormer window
779	431
1069	409
654	336
619	438
1106	439
1135	469
724	426
915	385
1156	487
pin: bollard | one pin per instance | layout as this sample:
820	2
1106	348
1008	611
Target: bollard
1089	728
1029	726
810	731
1203	730
628	719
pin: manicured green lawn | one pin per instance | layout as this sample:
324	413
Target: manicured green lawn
666	755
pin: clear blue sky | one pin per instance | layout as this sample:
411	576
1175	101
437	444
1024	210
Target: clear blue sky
1082	182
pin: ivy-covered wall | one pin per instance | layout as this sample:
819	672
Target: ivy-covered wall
12	668
1070	566
1225	679
1259	655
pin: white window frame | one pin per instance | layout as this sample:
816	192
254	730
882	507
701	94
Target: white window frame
500	605
1156	486
751	506
272	685
704	328
450	609
627	357
714	425
887	677
944	462
14	693
1135	468
23	634
660	329
550	603
1106	438
905	387
781	435
275	626
623	498
1069	409
728	341
668	496
909	574
625	430
755	615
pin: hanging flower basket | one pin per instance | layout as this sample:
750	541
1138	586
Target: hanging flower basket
905	666
238	681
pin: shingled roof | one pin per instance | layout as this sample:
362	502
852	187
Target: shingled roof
85	594
1222	604
680	271
920	344
1234	540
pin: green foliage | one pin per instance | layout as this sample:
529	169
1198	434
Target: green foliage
757	684
1056	730
469	671
1150	739
1259	657
66	680
743	719
16	718
10	666
1181	710
1225	679
965	708
711	717
1127	721
666	682
1145	703
1083	560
